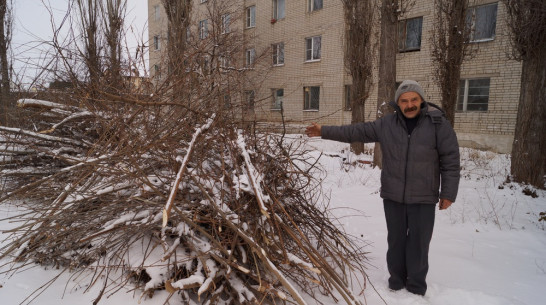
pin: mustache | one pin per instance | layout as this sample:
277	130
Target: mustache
410	109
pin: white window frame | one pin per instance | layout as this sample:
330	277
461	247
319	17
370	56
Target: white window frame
403	34
471	18
310	52
250	57
314	5
462	106
307	98
157	12
157	43
251	17
226	21
279	9
278	54
203	29
277	102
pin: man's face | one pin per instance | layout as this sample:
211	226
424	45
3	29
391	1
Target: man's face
410	104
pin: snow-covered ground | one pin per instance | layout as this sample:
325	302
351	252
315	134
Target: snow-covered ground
488	249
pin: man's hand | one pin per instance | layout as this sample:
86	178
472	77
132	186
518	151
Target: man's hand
313	130
445	203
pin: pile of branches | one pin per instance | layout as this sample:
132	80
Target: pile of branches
162	197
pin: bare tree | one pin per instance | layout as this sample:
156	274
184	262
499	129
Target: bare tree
359	51
387	64
5	65
388	47
449	48
90	23
178	20
114	15
527	23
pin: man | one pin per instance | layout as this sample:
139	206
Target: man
420	150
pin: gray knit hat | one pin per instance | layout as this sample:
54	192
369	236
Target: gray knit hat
409	86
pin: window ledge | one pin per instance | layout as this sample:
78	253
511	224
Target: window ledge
250	27
310	110
482	40
312	60
409	50
278	65
275	109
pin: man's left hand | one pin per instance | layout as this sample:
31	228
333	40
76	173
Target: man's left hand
445	203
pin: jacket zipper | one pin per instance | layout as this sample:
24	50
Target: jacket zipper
407	158
406	169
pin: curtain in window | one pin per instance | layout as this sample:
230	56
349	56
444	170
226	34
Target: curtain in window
317	4
312	98
278	54
413	33
279	6
486	22
316	47
278	98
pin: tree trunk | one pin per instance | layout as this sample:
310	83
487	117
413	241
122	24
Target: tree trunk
89	22
178	16
529	147
387	65
114	13
359	57
5	31
449	48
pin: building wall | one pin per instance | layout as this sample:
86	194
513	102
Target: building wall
492	129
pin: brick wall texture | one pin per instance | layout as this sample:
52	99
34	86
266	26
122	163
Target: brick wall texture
492	129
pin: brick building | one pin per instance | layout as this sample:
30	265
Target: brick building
304	42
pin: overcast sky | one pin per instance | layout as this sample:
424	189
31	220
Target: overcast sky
33	26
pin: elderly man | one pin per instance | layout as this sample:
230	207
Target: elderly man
420	167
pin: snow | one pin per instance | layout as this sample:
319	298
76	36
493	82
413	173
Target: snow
488	248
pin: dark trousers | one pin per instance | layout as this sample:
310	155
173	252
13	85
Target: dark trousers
409	228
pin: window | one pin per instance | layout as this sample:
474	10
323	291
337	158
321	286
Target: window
278	96
227	100
251	16
311	98
157	12
409	34
226	19
347	98
188	34
250	96
278	9
157	71
157	43
314	5
278	53
224	62
250	57
482	21
473	94
312	48
203	29
203	1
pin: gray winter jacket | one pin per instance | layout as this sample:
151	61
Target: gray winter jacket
412	165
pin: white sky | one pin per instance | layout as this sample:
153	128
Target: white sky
32	27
